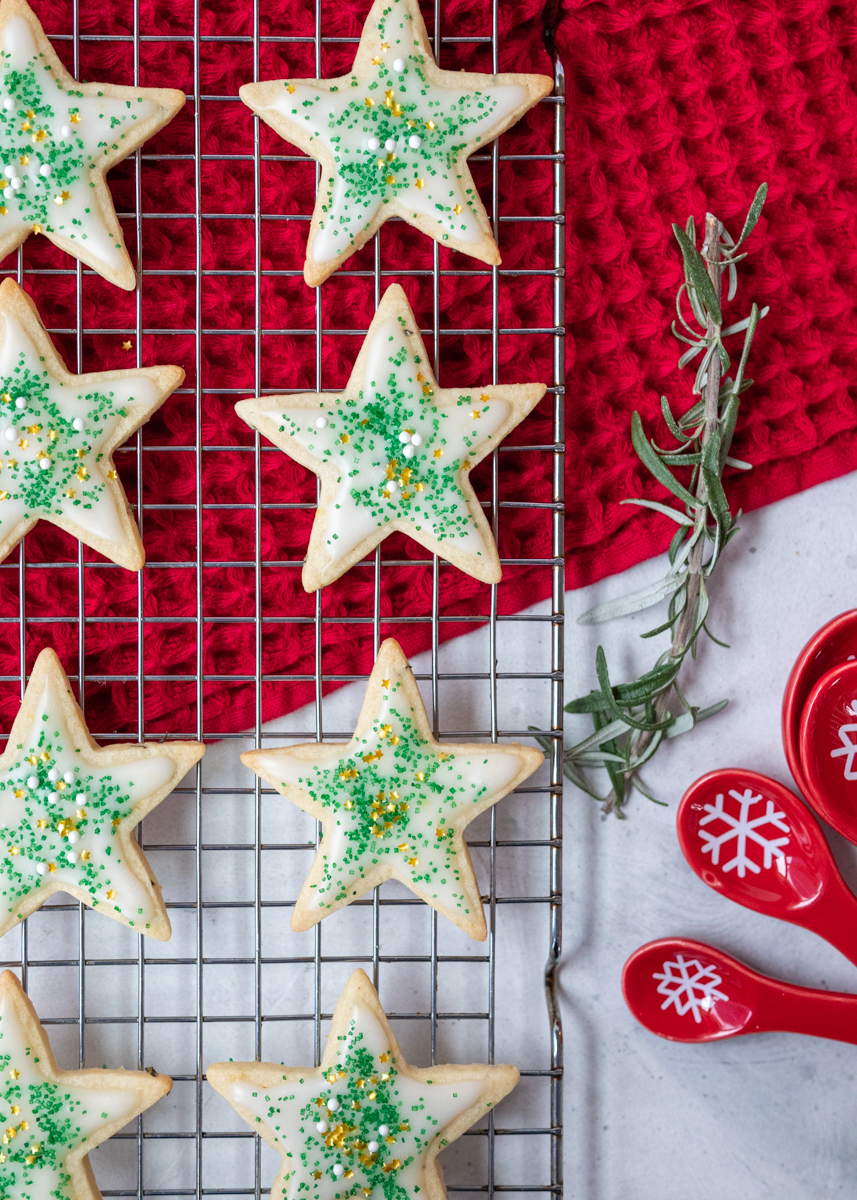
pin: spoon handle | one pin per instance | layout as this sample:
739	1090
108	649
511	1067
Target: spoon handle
789	1009
834	917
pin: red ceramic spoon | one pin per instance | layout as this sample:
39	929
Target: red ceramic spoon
835	642
828	748
689	992
752	839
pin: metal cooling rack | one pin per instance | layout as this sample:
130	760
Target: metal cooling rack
120	1017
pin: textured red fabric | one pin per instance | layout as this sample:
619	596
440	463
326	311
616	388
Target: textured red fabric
672	106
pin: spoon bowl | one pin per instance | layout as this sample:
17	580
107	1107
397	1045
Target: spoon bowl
828	748
835	643
686	991
750	838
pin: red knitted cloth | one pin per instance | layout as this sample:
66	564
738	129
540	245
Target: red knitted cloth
672	106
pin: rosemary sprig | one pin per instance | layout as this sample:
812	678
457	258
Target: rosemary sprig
632	720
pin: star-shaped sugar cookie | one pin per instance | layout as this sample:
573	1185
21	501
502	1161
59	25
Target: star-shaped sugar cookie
364	1123
68	809
393	136
58	137
49	1118
57	436
394	802
394	451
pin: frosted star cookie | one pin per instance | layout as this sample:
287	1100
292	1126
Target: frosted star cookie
394	803
51	1118
57	436
58	138
68	809
364	1123
393	136
394	451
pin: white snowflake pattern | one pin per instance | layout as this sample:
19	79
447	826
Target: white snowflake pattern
745	830
848	747
689	986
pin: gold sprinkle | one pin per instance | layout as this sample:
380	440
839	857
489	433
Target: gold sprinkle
430	125
412	862
457	208
369	103
316	1174
81	473
438	453
75	118
34	428
484	398
377	60
127	345
419	488
344	438
111	895
24	1125
112	474
84	854
15	1110
349	804
420	776
440	834
39	135
426	389
385	46
30	113
13	850
465	466
13	1074
4	495
5	398
44	756
385	683
388	93
81	813
411	124
2	210
52	434
81	454
290	87
70	492
37	227
117	821
2	1158
18	794
25	158
390	157
25	126
397	110
31	1158
420	184
390	179
477	416
23	444
52	867
41	824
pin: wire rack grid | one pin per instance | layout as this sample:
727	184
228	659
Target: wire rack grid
123	990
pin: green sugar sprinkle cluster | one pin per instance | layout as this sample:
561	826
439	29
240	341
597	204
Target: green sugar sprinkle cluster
30	138
427	486
392	806
39	838
44	427
365	1088
26	1153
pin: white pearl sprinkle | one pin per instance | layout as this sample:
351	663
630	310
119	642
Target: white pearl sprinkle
384	1130
404	436
392	487
44	463
374	144
415	142
8	104
409	451
41	869
33	781
71	856
69	777
416	439
21	402
53	797
77	424
53	774
65	132
333	1104
390	144
338	1170
17	184
321	423
9	172
73	837
322	1126
8	193
10	434
80	798
372	1147
45	170
398	65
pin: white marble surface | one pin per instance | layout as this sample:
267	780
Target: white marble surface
755	1117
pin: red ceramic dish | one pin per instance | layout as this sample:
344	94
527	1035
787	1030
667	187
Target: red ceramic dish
835	642
689	992
758	844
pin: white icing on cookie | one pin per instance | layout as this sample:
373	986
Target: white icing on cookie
364	1125
50	138
41	1122
60	817
382	476
51	446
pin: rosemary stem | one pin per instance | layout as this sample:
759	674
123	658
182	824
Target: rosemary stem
686	624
